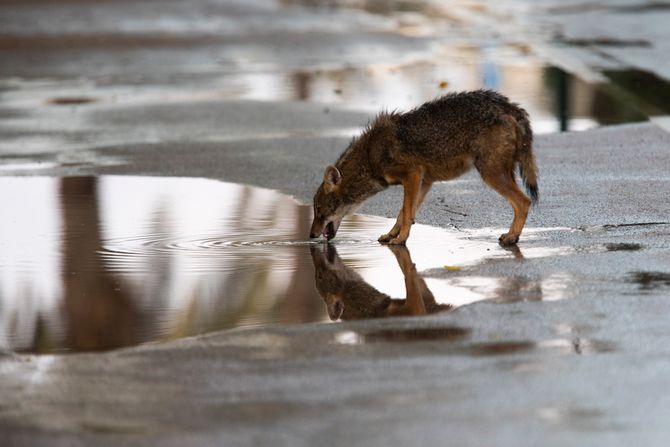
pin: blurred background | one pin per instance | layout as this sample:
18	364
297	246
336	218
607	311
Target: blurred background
573	65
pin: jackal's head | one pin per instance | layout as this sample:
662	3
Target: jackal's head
330	276
329	205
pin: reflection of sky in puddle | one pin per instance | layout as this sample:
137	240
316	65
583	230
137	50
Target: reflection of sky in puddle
50	114
99	263
370	87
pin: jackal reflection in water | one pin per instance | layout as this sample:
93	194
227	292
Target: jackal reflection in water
349	297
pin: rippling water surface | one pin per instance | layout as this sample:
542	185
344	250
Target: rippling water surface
96	263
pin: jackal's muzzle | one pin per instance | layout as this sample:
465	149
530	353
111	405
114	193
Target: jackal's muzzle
328	230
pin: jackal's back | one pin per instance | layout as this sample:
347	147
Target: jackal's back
445	134
453	121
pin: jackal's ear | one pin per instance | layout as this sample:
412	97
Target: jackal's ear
332	178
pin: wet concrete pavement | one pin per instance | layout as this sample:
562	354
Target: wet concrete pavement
568	349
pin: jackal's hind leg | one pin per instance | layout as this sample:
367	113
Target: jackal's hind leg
423	192
507	187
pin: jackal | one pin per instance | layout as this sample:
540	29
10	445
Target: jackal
437	141
348	297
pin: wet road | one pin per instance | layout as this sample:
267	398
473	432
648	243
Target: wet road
563	342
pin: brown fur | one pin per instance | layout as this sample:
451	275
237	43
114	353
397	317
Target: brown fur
348	297
437	141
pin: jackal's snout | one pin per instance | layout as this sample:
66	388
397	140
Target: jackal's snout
319	227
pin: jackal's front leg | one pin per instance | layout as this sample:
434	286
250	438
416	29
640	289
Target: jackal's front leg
391	234
411	183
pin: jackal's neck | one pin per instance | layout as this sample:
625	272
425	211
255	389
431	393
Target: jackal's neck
359	180
359	164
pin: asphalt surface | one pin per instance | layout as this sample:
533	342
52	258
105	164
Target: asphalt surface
589	366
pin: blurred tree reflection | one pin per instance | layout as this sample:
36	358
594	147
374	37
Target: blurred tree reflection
99	314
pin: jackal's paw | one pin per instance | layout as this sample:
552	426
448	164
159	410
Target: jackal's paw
384	238
397	241
508	239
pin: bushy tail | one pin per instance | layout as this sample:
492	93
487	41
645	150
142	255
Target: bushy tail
525	157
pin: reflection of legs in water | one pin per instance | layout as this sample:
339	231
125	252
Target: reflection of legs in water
414	285
515	250
420	299
518	288
348	296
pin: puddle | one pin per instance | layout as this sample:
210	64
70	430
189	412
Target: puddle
575	418
498	348
70	100
16	166
458	335
623	246
442	334
614	227
649	281
96	263
645	92
555	99
578	346
609	246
